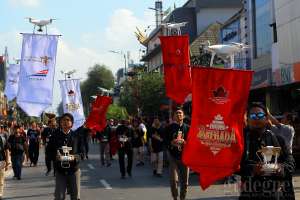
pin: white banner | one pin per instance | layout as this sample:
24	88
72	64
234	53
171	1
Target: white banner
72	102
12	81
37	73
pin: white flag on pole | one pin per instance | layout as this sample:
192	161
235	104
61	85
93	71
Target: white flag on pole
72	102
12	81
37	70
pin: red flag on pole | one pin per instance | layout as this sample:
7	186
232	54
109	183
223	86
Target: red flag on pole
215	142
97	118
177	72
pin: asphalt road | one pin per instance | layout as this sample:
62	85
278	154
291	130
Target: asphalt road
105	183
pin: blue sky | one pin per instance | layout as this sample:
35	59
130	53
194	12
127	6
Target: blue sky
89	29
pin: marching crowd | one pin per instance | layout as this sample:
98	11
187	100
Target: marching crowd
162	140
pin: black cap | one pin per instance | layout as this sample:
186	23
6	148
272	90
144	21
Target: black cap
69	115
258	105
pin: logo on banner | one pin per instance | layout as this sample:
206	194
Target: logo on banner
71	93
43	72
216	135
72	106
219	95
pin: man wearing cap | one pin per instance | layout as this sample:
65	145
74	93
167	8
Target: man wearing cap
67	164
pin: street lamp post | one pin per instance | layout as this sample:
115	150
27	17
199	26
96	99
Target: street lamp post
125	60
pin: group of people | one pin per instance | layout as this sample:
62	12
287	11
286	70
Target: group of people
163	141
64	149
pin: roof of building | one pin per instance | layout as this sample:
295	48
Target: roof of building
219	3
215	3
234	17
152	53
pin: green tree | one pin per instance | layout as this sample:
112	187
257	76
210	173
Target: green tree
98	76
143	94
116	112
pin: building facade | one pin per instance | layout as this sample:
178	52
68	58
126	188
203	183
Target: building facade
234	30
153	56
273	28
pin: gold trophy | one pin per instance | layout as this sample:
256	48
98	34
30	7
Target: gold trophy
268	153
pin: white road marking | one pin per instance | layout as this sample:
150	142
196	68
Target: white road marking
105	184
91	166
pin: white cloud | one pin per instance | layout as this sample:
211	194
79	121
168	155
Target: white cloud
26	3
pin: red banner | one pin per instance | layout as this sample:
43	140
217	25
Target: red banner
177	72
215	141
97	119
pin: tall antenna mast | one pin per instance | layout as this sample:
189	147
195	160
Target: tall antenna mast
158	12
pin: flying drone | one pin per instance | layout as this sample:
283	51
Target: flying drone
225	50
68	73
40	23
176	26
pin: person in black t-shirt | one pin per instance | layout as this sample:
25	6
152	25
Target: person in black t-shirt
33	135
176	135
84	134
137	143
104	139
67	168
124	134
17	146
156	147
50	154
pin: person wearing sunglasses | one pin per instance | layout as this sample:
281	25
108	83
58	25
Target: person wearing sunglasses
256	183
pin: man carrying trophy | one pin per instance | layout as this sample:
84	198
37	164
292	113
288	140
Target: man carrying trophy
124	134
67	147
176	135
267	164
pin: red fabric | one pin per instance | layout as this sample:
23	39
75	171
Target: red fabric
114	143
215	141
97	119
177	72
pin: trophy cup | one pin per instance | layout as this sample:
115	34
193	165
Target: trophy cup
123	138
179	140
65	158
269	165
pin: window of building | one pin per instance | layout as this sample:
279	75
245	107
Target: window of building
263	32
